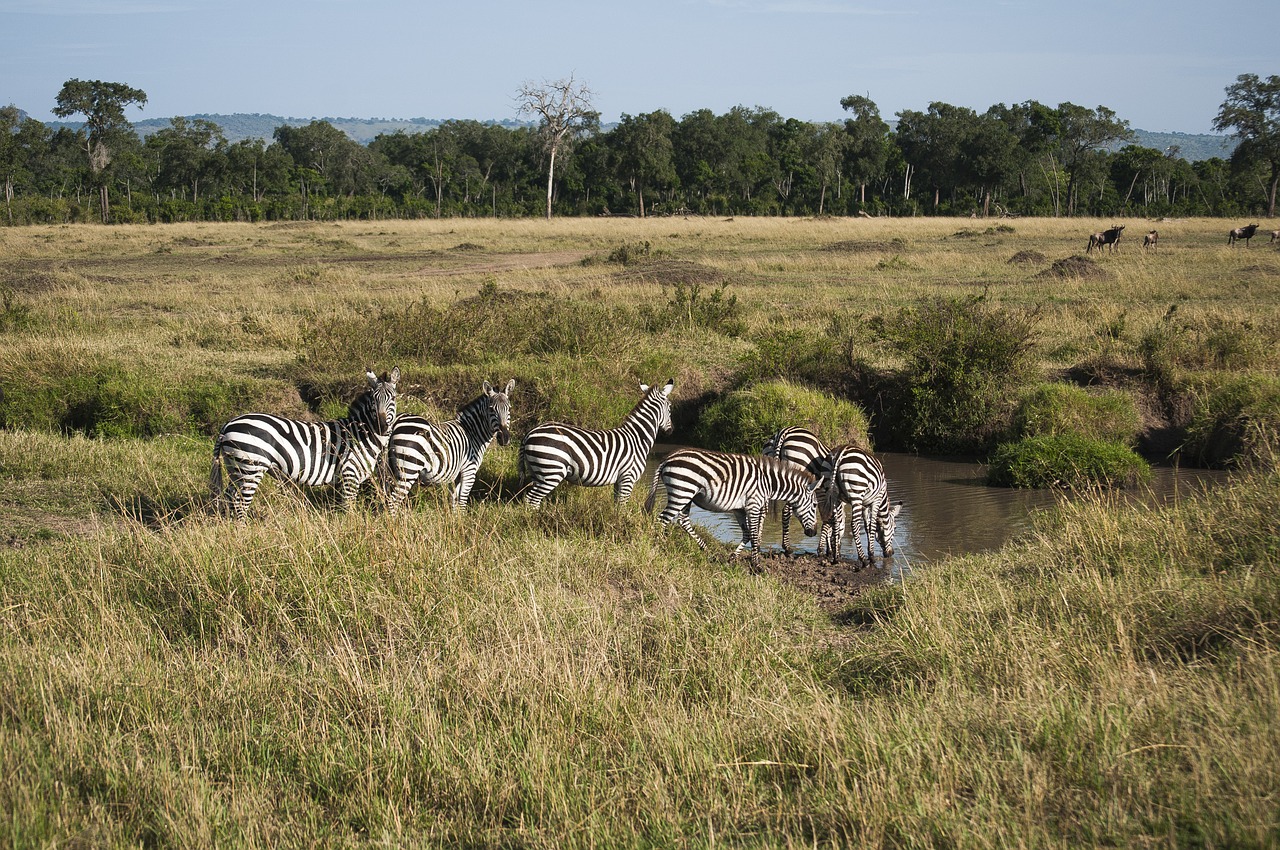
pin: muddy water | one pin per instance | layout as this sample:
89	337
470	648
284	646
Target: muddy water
947	508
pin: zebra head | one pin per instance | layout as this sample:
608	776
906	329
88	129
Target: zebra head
378	403
500	411
663	398
888	524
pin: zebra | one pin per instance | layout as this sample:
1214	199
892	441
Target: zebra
312	453
858	479
1110	236
742	485
554	451
449	453
806	450
1245	233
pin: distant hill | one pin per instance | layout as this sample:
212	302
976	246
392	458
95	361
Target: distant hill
1191	147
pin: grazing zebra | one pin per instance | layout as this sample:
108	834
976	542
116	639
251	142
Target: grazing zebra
312	453
449	453
806	450
553	451
742	485
1245	233
1149	241
858	479
1110	236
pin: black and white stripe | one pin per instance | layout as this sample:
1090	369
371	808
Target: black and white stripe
312	453
554	451
742	485
858	479
449	453
806	450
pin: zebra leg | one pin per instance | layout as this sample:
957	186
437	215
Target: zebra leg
754	515
835	533
462	488
682	520
860	529
244	484
400	490
786	530
542	487
347	493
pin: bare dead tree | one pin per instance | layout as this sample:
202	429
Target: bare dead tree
564	108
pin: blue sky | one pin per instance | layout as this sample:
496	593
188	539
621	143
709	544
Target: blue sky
1162	66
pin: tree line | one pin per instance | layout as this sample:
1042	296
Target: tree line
1023	159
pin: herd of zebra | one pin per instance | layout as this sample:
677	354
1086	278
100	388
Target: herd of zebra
809	478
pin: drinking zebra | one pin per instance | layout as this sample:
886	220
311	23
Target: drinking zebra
449	453
742	485
858	479
806	450
554	451
1245	233
312	453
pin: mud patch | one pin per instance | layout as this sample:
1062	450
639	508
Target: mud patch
669	273
1027	257
1076	266
833	586
867	247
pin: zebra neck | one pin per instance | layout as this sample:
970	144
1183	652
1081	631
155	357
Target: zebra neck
642	421
475	424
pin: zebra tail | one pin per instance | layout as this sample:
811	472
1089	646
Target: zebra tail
653	491
215	472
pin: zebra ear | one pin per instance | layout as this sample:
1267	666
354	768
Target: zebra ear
487	388
511	385
371	378
644	388
896	509
395	374
671	385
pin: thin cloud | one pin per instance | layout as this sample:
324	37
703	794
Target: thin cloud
807	7
82	8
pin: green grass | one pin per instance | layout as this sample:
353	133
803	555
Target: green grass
575	676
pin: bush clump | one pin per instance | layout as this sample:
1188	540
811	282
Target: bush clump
1052	410
966	360
744	419
1236	423
1068	461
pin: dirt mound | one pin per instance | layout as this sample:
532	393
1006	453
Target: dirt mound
1028	257
1076	266
867	247
669	273
834	586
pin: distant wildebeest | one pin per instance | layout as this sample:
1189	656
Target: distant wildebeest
1149	241
1110	236
1245	233
1275	234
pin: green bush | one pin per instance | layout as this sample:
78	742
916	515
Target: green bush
744	419
966	360
1066	460
691	308
1052	410
1236	422
1178	344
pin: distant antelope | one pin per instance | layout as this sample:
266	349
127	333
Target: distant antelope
1149	241
1245	233
1110	236
1275	234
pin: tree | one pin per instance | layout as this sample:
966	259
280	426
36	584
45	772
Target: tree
190	153
1081	132
102	105
1252	109
868	149
564	109
642	145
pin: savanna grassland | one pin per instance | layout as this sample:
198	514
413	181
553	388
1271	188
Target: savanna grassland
574	676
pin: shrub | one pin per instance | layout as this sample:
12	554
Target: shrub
1236	422
1178	344
690	308
744	419
965	362
1066	460
1053	410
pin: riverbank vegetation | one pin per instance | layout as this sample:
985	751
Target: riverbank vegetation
574	676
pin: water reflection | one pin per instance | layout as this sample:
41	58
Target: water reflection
947	508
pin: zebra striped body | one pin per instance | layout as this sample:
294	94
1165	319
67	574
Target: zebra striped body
742	485
554	452
449	453
858	479
807	451
312	453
